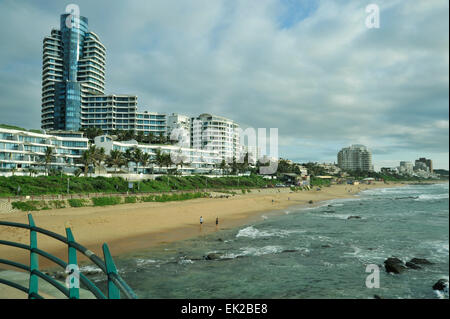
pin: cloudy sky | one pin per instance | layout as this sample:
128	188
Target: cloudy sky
312	69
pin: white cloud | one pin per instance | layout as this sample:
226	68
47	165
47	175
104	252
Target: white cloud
326	79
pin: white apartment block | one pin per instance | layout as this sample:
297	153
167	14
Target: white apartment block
181	123
355	157
193	160
216	133
24	149
406	168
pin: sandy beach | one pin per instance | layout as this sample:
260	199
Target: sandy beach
132	227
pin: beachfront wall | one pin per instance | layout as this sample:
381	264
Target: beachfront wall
24	149
193	160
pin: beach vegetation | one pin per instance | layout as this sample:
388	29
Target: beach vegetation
57	184
106	201
78	202
130	199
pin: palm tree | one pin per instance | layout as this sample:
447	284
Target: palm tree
159	158
86	159
223	166
115	159
145	160
137	158
48	156
128	155
97	155
150	138
167	161
140	136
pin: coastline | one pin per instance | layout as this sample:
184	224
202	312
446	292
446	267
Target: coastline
129	228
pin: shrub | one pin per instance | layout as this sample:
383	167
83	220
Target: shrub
75	202
58	203
26	206
148	198
105	201
130	199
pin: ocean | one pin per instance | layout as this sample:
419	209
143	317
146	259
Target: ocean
308	252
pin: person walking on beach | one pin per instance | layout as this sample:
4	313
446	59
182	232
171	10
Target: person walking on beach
201	220
217	223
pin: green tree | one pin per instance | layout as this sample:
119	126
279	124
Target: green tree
223	166
115	159
145	160
86	160
48	156
137	158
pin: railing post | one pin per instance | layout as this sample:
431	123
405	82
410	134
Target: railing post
113	291
34	262
74	292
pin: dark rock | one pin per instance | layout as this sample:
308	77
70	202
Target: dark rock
219	239
441	284
421	261
412	265
310	202
394	265
290	251
212	256
377	297
354	217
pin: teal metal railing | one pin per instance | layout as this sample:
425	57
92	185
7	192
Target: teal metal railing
115	284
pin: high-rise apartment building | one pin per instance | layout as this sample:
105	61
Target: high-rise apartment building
406	168
73	84
74	62
216	133
428	163
355	158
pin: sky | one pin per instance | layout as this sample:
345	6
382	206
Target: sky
312	69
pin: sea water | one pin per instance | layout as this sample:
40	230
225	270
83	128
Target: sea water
314	252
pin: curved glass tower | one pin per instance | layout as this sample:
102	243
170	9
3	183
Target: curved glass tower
73	85
73	67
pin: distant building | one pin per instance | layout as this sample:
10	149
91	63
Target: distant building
427	162
24	149
406	168
389	170
330	168
355	158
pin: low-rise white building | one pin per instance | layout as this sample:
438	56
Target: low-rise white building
25	149
187	160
